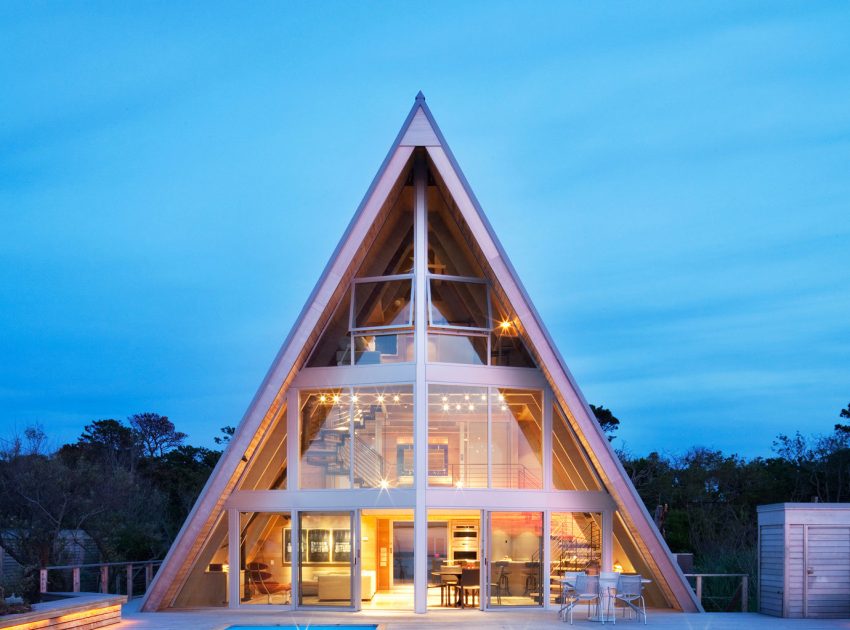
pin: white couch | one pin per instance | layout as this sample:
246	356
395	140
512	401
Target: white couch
338	586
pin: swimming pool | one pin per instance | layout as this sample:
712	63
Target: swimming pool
321	626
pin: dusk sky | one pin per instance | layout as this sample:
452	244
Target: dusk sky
671	182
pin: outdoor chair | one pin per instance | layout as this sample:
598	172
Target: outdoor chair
568	589
586	591
630	592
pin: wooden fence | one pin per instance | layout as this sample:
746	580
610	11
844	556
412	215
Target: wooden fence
126	577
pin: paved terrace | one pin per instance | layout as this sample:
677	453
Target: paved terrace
471	619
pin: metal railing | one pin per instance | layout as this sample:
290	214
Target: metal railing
742	590
515	476
127	577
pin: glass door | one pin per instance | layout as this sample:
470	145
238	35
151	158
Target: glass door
513	554
328	560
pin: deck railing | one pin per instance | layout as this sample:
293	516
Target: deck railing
742	590
126	577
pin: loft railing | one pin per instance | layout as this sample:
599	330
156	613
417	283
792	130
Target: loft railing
121	578
515	476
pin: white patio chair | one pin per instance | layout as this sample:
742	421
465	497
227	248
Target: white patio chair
568	589
630	592
607	589
586	591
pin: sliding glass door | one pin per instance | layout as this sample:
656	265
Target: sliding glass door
514	559
328	567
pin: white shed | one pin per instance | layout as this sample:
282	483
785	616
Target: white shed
804	559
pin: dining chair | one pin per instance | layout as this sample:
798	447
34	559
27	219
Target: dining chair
586	591
568	589
470	586
630	592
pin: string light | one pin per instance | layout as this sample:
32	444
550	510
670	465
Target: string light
471	407
354	398
396	398
381	398
457	406
501	398
336	398
323	398
445	407
505	325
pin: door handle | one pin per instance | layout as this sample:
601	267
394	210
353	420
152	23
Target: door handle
810	571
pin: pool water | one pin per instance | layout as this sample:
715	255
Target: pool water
325	626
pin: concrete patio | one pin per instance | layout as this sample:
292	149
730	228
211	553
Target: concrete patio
473	619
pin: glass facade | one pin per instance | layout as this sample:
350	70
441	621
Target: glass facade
358	437
517	438
516	554
457	436
265	558
498	537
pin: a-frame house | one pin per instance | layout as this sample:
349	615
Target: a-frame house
417	430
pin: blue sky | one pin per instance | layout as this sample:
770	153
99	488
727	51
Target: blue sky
671	181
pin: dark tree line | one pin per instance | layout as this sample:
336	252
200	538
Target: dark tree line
129	486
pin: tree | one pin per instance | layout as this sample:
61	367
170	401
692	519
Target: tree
607	420
227	432
156	433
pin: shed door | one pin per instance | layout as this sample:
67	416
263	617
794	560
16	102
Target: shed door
827	571
771	574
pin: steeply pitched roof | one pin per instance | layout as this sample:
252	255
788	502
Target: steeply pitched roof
419	130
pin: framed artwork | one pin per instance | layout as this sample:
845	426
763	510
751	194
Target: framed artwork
342	545
318	545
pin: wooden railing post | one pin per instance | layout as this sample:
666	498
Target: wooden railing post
42	580
699	589
129	581
104	578
148	576
75	579
745	592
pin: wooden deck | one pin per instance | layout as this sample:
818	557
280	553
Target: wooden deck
473	619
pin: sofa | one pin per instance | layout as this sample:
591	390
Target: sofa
338	586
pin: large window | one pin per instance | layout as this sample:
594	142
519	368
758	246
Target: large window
373	320
516	442
482	437
516	551
358	437
457	436
266	558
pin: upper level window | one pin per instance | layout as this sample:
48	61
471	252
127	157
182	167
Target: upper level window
459	303
382	303
373	322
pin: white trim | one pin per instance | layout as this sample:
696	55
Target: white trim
420	406
234	574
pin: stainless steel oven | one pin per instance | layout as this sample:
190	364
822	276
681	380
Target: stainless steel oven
464	541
